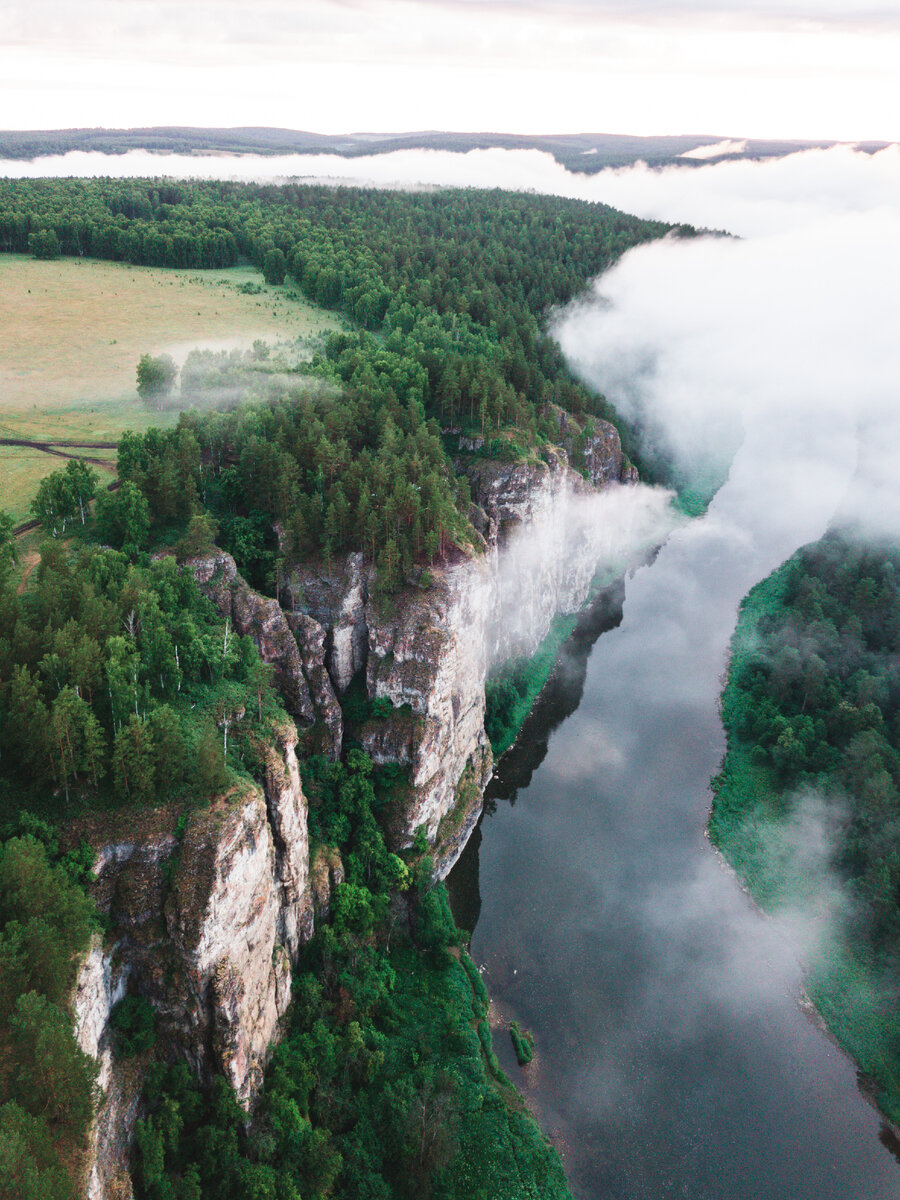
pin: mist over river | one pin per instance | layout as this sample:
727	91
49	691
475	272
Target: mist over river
673	1056
672	1059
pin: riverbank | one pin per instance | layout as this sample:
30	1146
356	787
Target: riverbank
763	819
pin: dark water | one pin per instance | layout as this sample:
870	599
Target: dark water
672	1057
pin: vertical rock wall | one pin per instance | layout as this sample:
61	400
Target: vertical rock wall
428	651
208	930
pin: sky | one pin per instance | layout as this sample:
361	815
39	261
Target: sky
818	69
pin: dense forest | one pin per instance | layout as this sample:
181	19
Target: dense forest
812	713
451	290
121	686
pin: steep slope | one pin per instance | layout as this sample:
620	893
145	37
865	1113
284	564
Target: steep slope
206	917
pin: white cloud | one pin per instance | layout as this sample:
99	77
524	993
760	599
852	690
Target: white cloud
784	342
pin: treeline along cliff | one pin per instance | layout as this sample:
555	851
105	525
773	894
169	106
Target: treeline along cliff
242	707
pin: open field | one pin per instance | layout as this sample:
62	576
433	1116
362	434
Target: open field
22	469
72	331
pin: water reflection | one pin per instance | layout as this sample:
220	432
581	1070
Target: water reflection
673	1059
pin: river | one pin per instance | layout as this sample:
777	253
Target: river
672	1056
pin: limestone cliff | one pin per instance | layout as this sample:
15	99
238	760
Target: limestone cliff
206	926
207	920
292	643
428	649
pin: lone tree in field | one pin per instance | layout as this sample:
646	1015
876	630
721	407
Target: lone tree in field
44	244
155	378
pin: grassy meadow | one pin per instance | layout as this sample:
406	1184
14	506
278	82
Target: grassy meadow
72	331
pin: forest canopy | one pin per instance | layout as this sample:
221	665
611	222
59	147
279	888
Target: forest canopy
119	681
812	714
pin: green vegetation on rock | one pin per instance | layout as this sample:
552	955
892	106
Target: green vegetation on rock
512	688
523	1044
383	1087
812	715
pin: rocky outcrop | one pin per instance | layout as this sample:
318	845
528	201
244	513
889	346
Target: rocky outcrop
336	598
428	653
290	833
207	927
295	647
223	919
311	641
595	444
428	650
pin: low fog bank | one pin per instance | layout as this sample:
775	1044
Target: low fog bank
582	542
779	354
740	196
225	374
783	344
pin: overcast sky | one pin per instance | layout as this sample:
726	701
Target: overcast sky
758	68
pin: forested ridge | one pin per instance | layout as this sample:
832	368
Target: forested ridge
812	714
451	290
585	153
121	685
461	279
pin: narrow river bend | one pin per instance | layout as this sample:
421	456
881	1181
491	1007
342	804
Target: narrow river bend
672	1057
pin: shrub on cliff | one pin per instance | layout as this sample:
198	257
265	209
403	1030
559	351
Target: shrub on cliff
133	1022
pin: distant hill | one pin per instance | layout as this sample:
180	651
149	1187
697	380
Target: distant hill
584	152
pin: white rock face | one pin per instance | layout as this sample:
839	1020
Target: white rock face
213	950
429	652
223	921
99	987
287	819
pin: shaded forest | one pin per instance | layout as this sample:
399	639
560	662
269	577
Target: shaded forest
812	714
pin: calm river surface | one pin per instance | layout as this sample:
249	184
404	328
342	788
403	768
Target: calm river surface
672	1057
